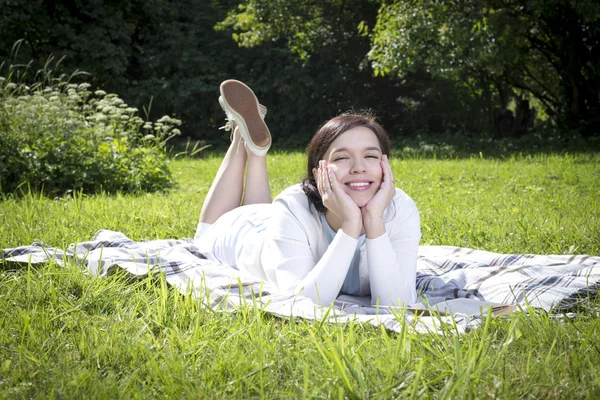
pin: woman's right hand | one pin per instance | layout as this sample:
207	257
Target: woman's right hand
338	202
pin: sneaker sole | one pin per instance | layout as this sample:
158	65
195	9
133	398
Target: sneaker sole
243	104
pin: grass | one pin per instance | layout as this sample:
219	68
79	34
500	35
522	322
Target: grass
64	334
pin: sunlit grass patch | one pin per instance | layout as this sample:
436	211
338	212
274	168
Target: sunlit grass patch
66	334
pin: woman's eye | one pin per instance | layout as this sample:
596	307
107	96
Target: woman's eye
372	156
340	159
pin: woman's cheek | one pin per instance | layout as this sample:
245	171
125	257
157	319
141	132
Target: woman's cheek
339	175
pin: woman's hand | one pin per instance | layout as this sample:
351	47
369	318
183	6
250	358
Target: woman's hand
337	202
372	212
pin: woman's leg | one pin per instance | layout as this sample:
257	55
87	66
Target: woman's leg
225	193
256	189
227	190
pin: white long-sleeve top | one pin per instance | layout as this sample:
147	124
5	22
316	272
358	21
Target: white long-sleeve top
293	252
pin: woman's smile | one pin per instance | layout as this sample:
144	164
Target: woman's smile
359	185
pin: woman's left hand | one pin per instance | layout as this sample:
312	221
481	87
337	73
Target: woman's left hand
375	208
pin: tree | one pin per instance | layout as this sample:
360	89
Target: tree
493	52
169	51
159	52
332	39
547	49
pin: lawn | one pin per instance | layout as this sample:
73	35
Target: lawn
64	334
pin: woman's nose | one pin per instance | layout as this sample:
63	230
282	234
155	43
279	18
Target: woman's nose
358	166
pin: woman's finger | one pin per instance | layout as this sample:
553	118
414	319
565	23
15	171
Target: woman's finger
320	178
387	169
384	170
323	177
332	179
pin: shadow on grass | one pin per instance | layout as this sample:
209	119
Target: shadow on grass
447	146
461	146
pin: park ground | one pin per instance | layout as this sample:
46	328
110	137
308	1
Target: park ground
65	334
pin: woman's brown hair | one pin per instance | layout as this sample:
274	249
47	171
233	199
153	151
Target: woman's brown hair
326	135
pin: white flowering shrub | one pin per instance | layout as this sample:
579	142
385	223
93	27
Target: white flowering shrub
56	137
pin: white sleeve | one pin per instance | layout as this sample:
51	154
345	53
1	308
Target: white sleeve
288	260
392	260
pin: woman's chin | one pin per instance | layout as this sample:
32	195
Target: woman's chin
362	199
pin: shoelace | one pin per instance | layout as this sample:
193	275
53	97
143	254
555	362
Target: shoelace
229	126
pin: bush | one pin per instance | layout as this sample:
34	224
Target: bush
57	136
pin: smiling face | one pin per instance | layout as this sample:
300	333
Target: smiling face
331	136
355	156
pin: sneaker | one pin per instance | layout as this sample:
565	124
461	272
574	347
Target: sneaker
230	124
243	110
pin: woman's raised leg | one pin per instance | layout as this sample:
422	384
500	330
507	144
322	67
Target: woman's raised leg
256	188
251	141
226	190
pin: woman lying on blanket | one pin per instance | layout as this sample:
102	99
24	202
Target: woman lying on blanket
344	230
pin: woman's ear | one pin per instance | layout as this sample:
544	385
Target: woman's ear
314	171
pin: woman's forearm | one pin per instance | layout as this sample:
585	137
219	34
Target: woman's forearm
374	226
392	270
323	283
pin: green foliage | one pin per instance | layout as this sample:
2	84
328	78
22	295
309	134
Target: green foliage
331	38
449	66
478	56
168	51
57	136
501	50
175	57
307	26
337	34
161	50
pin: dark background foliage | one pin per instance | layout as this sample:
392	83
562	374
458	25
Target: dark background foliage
493	68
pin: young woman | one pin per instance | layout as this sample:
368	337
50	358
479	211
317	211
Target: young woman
344	230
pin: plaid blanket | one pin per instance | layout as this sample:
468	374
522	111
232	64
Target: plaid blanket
553	282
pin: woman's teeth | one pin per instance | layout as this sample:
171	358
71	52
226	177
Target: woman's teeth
358	184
